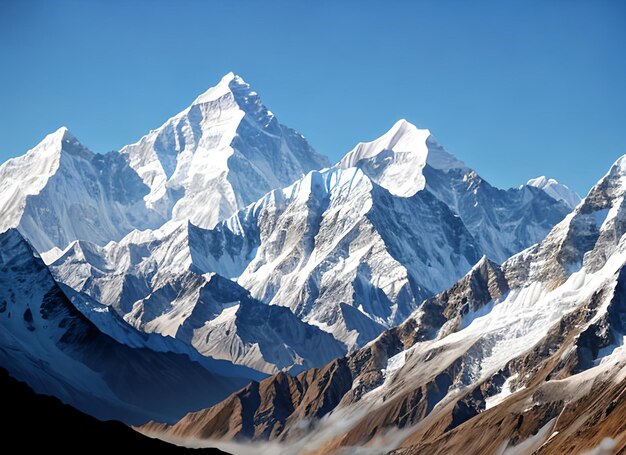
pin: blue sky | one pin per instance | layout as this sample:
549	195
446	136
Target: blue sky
514	88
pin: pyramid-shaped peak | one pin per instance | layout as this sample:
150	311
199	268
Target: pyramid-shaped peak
227	83
402	131
483	266
62	141
541	181
54	141
232	78
403	136
483	262
62	134
404	126
555	190
396	159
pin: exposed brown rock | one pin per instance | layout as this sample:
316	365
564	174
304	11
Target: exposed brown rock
268	410
580	425
263	410
485	283
581	421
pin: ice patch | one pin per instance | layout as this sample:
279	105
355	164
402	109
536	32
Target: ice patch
394	364
612	352
495	400
532	443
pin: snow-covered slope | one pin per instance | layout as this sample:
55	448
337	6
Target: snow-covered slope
60	191
220	154
556	190
396	160
340	251
47	343
406	160
352	250
514	358
164	282
349	256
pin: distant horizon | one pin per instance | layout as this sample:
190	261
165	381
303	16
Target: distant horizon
515	91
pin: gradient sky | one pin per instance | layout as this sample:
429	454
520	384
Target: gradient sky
516	89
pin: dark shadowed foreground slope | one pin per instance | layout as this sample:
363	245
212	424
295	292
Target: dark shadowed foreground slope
35	421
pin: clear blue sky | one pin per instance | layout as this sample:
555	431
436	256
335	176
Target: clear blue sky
514	88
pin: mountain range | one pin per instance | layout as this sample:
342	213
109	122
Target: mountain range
222	153
529	354
220	283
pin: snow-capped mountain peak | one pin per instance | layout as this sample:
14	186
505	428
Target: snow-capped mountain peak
61	140
223	152
230	83
402	137
555	190
407	160
396	159
60	191
29	174
62	134
220	154
219	90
